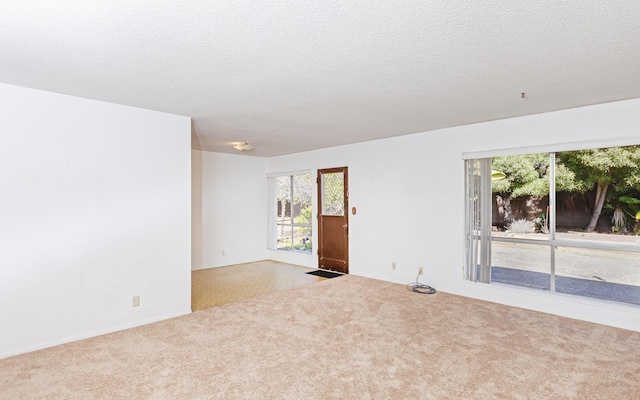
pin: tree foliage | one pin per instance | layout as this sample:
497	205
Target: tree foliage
302	189
528	175
613	168
610	172
524	175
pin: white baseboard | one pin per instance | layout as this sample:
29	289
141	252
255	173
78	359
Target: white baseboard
619	315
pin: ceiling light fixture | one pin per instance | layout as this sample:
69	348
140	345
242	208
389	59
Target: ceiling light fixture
243	146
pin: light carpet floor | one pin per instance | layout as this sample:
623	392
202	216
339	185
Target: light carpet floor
343	338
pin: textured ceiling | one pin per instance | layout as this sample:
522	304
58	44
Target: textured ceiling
289	76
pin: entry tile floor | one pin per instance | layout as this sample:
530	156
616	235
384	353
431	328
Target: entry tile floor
216	286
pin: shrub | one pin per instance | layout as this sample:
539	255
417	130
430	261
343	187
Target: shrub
522	226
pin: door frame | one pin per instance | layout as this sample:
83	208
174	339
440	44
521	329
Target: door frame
345	216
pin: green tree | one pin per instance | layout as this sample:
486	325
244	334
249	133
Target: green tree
604	169
527	175
302	186
305	217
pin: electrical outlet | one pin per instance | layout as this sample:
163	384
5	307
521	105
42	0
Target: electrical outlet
393	265
420	271
136	301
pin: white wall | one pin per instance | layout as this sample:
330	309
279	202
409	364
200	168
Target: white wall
409	194
95	205
196	209
233	209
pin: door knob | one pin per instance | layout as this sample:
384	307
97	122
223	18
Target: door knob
345	226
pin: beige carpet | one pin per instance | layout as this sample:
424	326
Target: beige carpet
343	338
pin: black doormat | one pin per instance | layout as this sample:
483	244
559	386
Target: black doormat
324	274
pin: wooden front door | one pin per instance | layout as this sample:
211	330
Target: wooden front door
333	219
